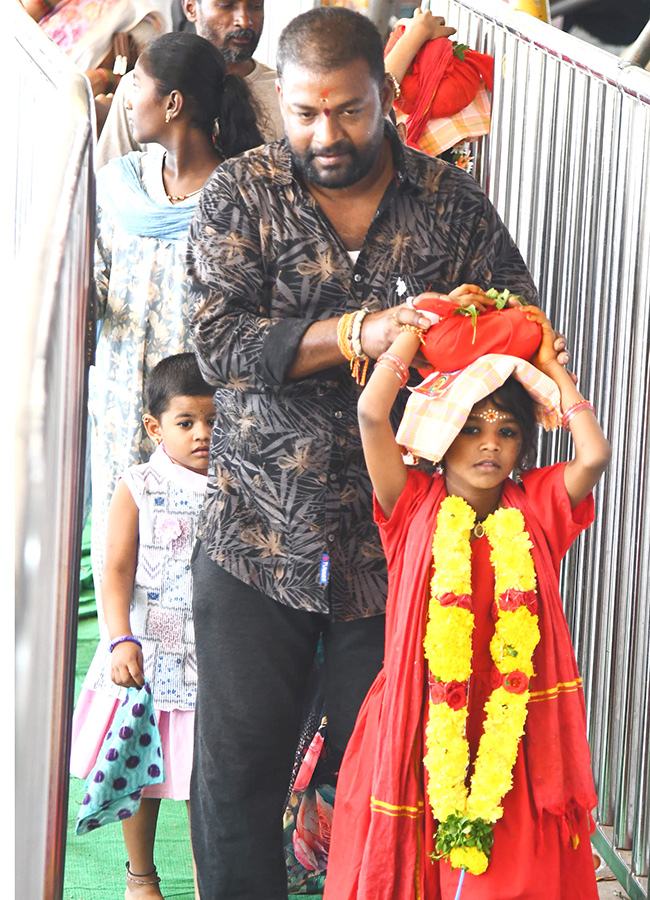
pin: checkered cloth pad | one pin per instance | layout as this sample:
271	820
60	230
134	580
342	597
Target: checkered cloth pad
438	407
470	123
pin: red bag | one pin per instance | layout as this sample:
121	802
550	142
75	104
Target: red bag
460	83
439	84
454	343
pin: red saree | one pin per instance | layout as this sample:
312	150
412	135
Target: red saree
383	830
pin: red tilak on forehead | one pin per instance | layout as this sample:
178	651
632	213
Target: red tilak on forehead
327	112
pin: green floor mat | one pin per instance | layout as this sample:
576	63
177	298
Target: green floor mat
94	863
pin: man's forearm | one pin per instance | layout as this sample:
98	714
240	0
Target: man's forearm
317	350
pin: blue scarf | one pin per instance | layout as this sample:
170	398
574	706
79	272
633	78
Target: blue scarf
121	194
129	759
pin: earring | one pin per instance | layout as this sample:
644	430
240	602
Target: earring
168	116
440	468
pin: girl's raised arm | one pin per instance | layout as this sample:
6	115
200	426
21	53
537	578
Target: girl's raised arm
423	27
383	456
592	452
117	586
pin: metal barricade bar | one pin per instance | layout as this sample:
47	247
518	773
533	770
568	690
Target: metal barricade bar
54	213
568	167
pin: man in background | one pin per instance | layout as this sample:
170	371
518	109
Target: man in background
235	29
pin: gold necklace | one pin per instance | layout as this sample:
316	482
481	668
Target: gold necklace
478	530
185	196
171	197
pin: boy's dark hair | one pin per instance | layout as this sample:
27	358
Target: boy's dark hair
513	397
329	38
179	61
174	376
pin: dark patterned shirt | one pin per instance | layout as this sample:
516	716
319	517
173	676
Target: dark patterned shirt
288	508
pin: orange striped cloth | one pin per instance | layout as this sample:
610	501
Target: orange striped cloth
470	123
438	407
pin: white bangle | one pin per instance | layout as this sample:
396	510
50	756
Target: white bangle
355	337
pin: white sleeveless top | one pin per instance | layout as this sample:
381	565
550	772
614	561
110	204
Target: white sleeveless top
169	498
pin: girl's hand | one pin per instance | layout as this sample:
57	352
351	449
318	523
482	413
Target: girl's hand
428	26
126	665
547	352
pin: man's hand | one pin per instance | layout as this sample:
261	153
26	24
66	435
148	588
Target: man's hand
380	329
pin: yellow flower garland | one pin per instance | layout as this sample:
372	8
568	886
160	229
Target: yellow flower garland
465	816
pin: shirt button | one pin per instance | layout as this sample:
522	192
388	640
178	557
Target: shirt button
333	476
331	538
338	414
357	278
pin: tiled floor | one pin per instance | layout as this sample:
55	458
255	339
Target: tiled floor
608	887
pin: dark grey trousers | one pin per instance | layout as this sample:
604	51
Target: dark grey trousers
254	658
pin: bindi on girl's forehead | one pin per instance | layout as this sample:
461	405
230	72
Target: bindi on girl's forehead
491	414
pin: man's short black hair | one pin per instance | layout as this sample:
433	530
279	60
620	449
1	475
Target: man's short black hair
330	38
174	376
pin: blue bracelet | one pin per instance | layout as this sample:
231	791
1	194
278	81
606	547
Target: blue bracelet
121	640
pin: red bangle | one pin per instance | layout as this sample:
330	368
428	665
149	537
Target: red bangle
385	364
396	364
568	414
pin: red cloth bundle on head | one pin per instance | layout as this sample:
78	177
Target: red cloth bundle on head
456	341
439	84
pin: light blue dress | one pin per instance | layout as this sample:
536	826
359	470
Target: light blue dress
143	306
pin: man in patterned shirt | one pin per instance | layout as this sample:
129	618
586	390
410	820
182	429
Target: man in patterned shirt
285	240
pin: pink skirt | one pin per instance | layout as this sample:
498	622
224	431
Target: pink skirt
91	720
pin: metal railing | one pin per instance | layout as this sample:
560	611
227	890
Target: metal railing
53	238
568	167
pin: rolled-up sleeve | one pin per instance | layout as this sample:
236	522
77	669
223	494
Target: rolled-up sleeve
236	339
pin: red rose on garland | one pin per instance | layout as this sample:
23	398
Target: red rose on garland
456	694
437	691
516	682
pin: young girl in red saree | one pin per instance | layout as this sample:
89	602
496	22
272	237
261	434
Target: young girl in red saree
469	759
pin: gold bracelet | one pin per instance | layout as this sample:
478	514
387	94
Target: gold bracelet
413	329
397	91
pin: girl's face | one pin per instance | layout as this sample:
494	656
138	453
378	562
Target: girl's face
146	109
485	452
185	428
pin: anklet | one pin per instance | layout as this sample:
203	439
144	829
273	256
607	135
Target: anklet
136	878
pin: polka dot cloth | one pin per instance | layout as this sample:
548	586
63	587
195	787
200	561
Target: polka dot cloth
129	759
